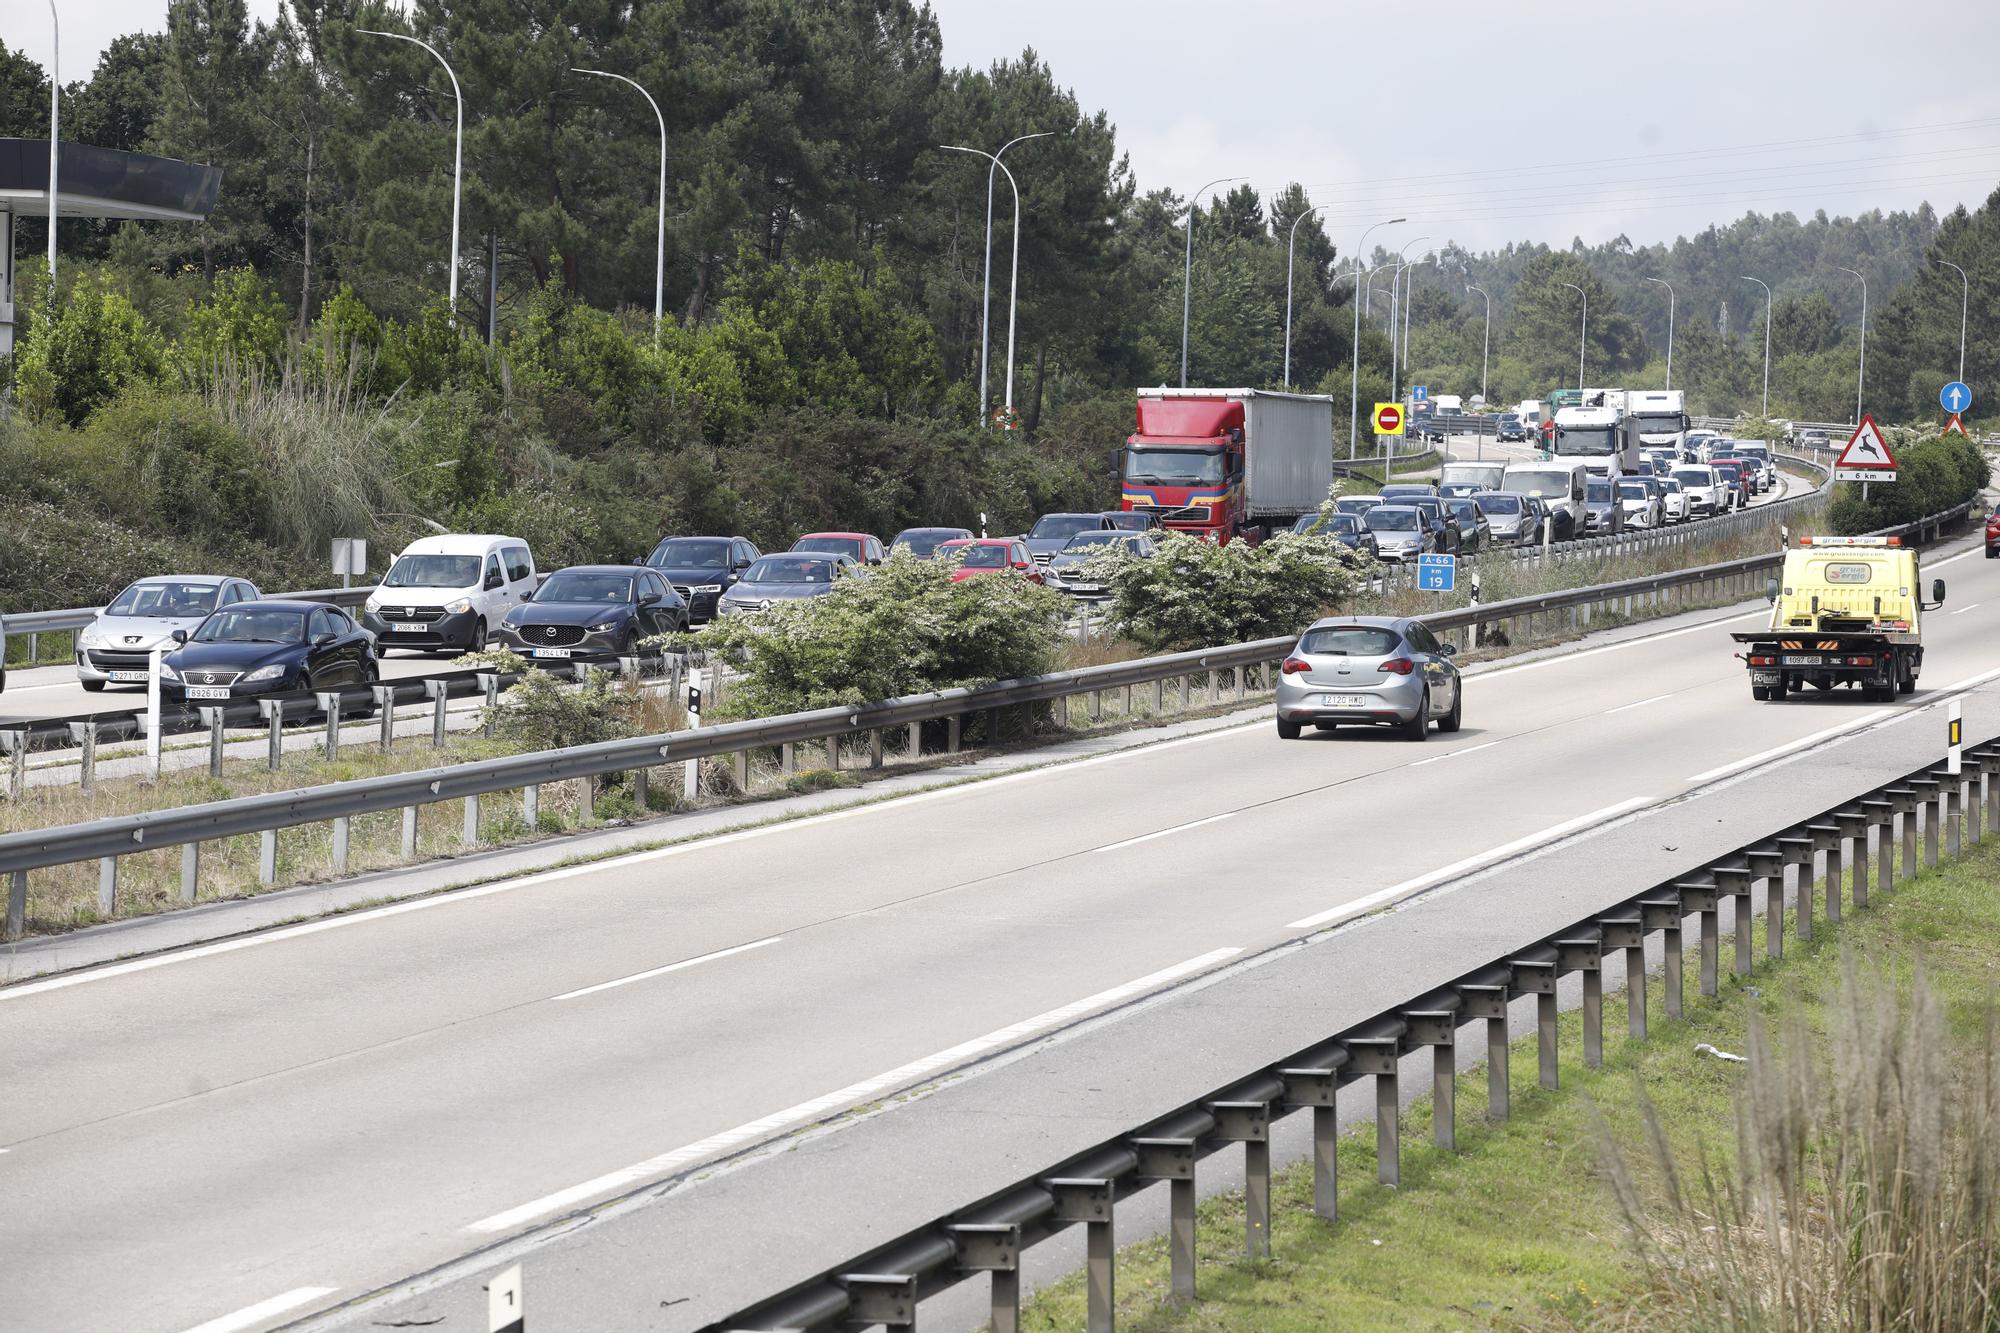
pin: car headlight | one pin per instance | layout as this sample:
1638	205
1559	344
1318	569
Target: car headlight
511	619
706	587
272	672
608	627
459	607
167	671
88	637
373	605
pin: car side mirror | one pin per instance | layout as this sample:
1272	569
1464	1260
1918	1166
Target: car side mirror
1448	648
1937	592
650	599
1771	591
493	581
180	636
322	639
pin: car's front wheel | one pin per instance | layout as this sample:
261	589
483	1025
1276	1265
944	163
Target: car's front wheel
478	644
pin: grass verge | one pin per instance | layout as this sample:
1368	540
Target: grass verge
1522	1227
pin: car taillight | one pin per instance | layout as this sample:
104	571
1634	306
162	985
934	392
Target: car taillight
1294	665
1398	666
1861	661
1763	661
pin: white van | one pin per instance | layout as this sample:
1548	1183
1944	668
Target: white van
1561	483
444	594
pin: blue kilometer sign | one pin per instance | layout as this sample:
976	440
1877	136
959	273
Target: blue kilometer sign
1955	397
1437	573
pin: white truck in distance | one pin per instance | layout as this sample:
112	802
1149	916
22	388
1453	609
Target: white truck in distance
1600	438
1660	416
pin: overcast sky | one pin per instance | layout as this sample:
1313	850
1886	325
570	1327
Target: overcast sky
1657	119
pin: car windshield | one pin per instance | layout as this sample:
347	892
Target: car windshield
253	625
1084	540
1356	504
1730	471
1553	485
1132	522
1172	467
1386	519
1350	641
433	571
1586	441
1688	476
1061	527
1633	490
1465	511
980	557
924	542
1597	492
830	545
789	569
1670	486
690	553
570	585
1496	503
164	600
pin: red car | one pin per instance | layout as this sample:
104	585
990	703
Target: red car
1993	534
859	547
990	555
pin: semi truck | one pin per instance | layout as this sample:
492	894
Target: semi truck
1604	438
1224	464
1844	611
1661	415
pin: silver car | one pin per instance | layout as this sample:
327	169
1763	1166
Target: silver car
790	577
116	648
1510	518
1369	671
1401	531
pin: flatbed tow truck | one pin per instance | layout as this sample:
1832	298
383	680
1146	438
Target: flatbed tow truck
1844	611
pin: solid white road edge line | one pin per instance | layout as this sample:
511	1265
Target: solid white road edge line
818	1108
652	972
1178	828
1478	862
1855	723
250	1316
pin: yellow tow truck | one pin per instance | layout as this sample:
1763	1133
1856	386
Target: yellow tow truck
1844	611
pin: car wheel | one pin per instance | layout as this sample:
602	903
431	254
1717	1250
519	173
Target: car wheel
1418	728
1451	721
91	686
1289	731
478	644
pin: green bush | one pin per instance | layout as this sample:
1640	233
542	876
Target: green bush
905	628
1932	475
542	713
96	346
1195	594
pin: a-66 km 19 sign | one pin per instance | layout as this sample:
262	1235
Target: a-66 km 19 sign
1388	418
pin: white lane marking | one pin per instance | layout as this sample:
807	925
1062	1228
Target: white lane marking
1963	609
1470	863
650	973
1970	681
1165	832
451	896
1453	754
818	1108
1638	704
252	1315
1854	723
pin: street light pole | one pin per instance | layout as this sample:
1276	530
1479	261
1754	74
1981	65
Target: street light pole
1861	374
1291	244
1486	344
1583	334
1014	275
1409	290
1354	352
1187	268
55	109
457	156
1395	314
660	231
1964	304
1767	341
1670	327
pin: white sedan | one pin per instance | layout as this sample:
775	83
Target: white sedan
1673	500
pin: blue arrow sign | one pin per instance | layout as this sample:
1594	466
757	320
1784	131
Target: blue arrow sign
1955	397
1437	573
1420	393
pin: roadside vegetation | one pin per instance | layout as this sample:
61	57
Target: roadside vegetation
1845	1177
1933	473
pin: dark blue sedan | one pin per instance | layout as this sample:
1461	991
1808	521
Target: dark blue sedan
594	613
268	647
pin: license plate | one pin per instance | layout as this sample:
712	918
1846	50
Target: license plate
208	692
125	675
1343	701
552	652
410	629
1811	660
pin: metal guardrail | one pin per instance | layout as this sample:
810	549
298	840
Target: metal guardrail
884	1285
187	827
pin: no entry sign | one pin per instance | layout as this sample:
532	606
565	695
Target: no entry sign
1388	418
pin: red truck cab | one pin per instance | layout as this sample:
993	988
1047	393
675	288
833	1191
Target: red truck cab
1185	463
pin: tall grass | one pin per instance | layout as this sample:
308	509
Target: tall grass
1864	1193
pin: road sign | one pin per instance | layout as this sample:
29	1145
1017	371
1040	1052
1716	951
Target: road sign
1388	418
1866	456
1437	573
1955	425
1420	393
1954	397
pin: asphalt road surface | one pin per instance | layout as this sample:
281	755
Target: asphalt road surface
256	1129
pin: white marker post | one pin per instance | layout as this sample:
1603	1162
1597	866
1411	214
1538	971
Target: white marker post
691	777
153	714
1954	731
506	1303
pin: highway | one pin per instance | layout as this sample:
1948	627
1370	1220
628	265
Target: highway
282	1122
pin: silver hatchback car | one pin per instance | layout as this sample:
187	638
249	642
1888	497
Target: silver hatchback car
1369	671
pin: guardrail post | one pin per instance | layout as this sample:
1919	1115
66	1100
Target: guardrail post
1664	915
741	760
531	807
1125	708
1171	1160
1989	766
1184	681
343	828
214	719
1249	1123
1826	839
1438	1029
85	735
1586	957
642	793
17	904
1929	788
913	749
1539	980
888	1299
1376	1057
1629	934
1768	865
1954	816
1318	1088
1490	1003
994	1248
1906	827
190	870
267	857
1854	826
1881	817
1159	697
385	708
16	745
788	759
409	832
489	686
1097	706
1798	851
107	886
1089	1202
469	830
1238	674
1734	882
274	713
628	670
954	733
329	704
438	691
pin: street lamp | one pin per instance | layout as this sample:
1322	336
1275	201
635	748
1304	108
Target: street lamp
1861	374
55	107
1964	303
1486	344
1409	290
660	232
1767	342
457	156
1187	267
1395	287
1368	305
1670	327
986	300
1354	352
1290	244
1583	335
